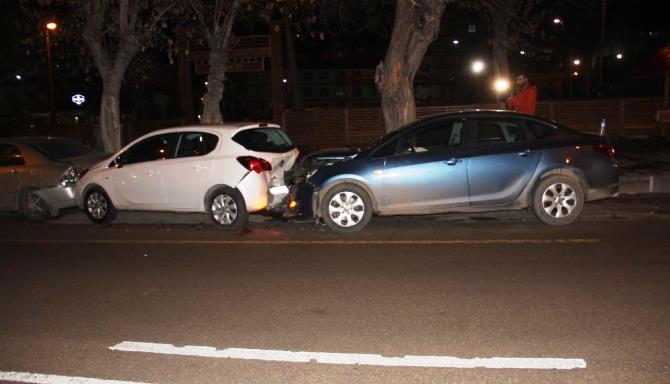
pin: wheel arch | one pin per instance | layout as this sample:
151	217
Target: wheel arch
562	171
335	183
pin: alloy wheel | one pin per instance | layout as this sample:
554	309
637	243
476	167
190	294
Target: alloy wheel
346	209
559	200
224	209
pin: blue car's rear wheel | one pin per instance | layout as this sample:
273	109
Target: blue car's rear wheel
558	200
346	208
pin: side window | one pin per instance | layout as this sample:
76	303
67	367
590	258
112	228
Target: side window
10	156
499	131
435	138
541	131
159	147
196	144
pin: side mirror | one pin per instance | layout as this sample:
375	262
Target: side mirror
116	163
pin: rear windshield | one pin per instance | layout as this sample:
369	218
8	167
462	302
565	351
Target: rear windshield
58	149
264	140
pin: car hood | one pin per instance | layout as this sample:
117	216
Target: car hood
86	161
320	159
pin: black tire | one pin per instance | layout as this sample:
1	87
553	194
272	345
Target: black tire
558	200
99	207
346	208
227	209
32	206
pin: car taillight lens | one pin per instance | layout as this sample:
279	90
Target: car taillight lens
254	164
605	149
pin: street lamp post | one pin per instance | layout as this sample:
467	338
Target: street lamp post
50	26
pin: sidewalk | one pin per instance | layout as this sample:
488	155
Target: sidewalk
645	165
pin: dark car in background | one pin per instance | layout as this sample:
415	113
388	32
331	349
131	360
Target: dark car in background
37	174
462	162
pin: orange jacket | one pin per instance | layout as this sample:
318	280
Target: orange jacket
524	101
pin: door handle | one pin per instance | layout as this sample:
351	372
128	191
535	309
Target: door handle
199	168
452	161
152	173
526	153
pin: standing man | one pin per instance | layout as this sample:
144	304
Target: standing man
524	98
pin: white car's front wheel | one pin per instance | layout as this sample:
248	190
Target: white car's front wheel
99	208
226	208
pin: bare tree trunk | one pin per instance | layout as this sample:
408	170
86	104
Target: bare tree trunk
211	113
417	24
218	36
110	114
500	44
293	78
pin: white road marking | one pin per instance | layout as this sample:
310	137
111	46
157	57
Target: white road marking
304	242
352	358
38	378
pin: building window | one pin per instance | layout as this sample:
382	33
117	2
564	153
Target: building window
339	75
323	92
307	92
307	75
339	92
323	75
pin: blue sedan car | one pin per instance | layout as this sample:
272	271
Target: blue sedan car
462	162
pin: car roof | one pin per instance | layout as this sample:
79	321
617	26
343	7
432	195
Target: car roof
229	128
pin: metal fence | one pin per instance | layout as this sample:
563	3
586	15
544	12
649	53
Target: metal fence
337	127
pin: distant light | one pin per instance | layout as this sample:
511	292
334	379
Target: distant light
501	85
522	52
477	66
78	99
51	25
284	81
557	21
456	42
292	204
205	83
18	77
198	117
76	119
297	35
577	62
619	56
575	73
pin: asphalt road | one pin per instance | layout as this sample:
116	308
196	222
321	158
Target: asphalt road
455	286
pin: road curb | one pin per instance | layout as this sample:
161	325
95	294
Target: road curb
636	183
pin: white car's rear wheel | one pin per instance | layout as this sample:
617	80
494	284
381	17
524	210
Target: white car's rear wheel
226	208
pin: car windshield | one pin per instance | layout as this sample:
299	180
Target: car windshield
264	140
58	149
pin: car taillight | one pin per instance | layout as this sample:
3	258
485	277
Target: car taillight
254	164
605	149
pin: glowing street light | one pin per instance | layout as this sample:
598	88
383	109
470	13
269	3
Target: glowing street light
456	42
501	85
575	73
51	26
619	56
577	62
522	52
18	77
477	66
558	21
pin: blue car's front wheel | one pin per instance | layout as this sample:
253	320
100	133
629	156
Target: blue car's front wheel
346	208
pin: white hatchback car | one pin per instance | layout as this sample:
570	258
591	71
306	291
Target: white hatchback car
227	171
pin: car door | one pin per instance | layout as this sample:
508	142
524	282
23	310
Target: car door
12	170
186	177
504	160
427	170
138	178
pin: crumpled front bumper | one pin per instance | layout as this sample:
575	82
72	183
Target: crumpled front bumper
301	202
57	197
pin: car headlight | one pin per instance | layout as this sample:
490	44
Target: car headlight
69	177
